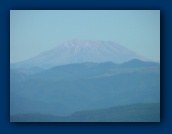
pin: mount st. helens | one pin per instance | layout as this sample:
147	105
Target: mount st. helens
79	51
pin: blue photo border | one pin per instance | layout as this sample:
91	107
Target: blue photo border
166	47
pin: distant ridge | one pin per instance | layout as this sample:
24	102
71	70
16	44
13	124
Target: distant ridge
138	63
79	51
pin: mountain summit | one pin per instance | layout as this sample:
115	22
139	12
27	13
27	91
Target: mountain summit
79	51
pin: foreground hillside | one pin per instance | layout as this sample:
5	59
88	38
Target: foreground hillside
148	112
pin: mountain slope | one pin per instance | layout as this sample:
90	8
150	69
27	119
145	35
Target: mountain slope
79	51
88	86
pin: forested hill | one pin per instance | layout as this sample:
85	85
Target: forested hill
147	112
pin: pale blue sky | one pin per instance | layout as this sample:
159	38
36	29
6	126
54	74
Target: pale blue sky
35	31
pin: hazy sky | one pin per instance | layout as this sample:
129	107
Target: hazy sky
35	31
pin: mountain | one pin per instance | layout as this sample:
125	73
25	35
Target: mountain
146	112
65	89
79	51
91	70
